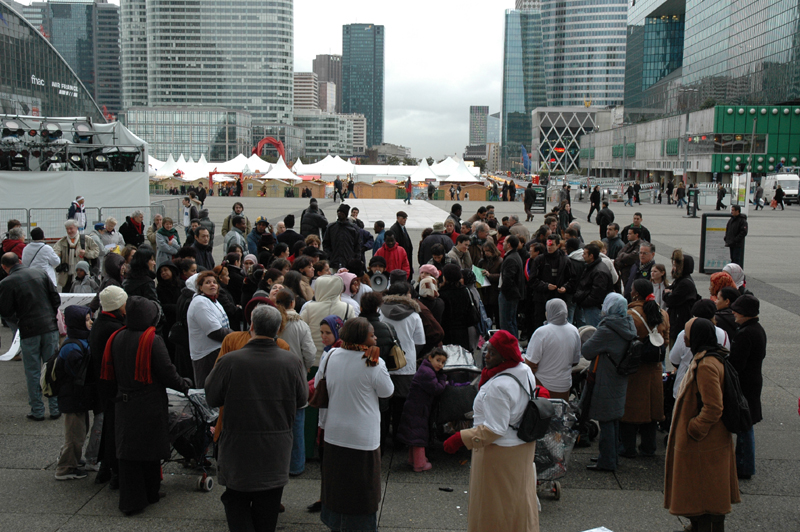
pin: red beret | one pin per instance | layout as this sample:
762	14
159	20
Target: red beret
506	345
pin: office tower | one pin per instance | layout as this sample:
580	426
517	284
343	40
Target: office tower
306	91
363	76
326	133
584	52
327	96
523	82
236	55
328	68
478	117
522	5
696	55
86	34
493	129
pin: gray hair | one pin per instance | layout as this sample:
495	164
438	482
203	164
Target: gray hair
480	226
111	220
136	213
16	234
514	217
649	245
70	223
266	320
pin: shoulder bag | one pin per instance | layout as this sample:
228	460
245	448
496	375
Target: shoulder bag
653	350
320	398
396	358
536	418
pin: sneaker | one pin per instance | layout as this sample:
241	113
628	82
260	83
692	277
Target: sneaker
72	474
92	466
34	418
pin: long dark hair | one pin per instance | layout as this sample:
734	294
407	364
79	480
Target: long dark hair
292	281
140	263
652	312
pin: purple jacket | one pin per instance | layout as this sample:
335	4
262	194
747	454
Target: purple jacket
414	424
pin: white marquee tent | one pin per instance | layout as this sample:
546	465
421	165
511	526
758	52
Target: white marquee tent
281	172
461	174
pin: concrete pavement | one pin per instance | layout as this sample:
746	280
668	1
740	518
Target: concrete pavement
628	500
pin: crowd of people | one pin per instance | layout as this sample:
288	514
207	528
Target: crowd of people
295	311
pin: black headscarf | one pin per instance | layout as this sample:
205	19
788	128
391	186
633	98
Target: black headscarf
703	337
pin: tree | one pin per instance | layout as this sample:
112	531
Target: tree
430	161
392	160
410	161
709	103
480	163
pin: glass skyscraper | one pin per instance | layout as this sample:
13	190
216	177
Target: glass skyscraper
696	54
363	77
236	55
523	82
478	122
584	51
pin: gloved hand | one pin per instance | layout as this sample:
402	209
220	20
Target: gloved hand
453	443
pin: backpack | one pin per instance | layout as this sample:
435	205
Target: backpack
537	415
631	359
53	368
735	409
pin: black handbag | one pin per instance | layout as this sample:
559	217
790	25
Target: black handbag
179	335
536	418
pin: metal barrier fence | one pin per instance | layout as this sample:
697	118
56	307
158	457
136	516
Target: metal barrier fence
51	221
173	208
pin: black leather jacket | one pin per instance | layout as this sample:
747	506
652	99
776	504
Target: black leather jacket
28	296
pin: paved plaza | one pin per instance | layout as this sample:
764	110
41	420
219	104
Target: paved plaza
629	500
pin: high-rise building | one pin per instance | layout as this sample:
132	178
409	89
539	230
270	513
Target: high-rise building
359	134
235	55
523	82
478	117
328	68
527	4
86	34
306	91
326	133
327	96
694	55
363	76
584	51
493	128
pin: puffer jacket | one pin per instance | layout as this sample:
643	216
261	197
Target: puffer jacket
610	341
342	243
327	292
313	222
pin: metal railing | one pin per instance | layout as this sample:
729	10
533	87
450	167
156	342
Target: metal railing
51	221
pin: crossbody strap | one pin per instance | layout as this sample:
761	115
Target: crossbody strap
644	321
34	256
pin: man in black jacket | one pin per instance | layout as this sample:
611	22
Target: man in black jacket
593	287
748	349
629	255
437	237
594	198
313	221
529	200
641	268
455	216
28	297
401	235
512	285
205	257
551	275
342	241
735	233
604	217
613	241
637	222
290	236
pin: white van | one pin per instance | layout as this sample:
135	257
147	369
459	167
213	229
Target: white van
790	183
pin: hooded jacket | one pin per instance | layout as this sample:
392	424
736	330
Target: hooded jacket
74	397
313	222
402	313
297	334
113	277
683	295
396	258
327	292
425	386
610	341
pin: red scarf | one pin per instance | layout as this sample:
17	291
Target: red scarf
508	347
139	227
143	372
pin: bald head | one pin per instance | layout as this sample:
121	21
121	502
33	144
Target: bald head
9	260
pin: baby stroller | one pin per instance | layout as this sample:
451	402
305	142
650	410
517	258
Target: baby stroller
190	422
452	410
554	449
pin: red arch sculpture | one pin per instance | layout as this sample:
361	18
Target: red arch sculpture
274	142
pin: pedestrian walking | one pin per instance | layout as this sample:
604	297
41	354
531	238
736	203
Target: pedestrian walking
721	192
778	198
594	199
409	190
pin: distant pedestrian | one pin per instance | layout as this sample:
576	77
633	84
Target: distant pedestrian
594	198
721	192
779	195
409	190
758	201
630	193
604	217
77	212
530	199
337	189
735	233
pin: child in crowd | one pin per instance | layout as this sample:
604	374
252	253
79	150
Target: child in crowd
428	382
83	283
377	264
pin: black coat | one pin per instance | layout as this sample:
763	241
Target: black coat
289	237
131	234
104	326
142	424
205	256
604	217
726	322
342	243
27	295
383	332
542	275
458	315
530	196
593	287
236	283
736	231
594	198
425	253
748	349
313	222
73	398
512	276
141	284
681	299
644	234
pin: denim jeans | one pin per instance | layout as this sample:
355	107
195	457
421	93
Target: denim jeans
588	316
682	202
297	464
36	350
408	198
607	443
628	201
746	452
508	314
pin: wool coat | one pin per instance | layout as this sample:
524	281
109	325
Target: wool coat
748	349
700	471
610	340
682	297
142	416
415	422
644	400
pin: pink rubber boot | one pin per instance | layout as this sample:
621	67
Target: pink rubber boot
420	461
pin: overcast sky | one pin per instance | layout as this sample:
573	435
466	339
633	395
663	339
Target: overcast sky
441	57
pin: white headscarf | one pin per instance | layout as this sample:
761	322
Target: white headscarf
736	273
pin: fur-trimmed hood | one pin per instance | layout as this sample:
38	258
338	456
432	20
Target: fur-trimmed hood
398	307
684	264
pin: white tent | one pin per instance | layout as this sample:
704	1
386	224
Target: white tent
423	173
298	167
168	168
281	171
462	175
329	166
153	166
445	168
237	164
257	165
